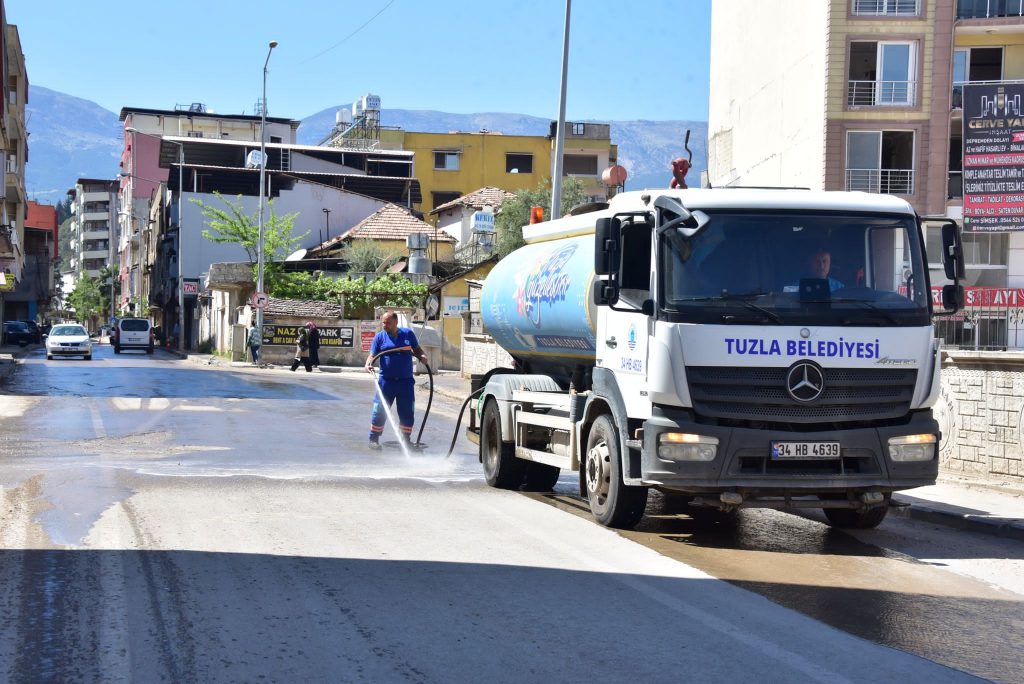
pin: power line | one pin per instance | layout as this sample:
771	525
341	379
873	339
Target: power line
364	25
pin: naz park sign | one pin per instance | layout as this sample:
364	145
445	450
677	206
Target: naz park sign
342	336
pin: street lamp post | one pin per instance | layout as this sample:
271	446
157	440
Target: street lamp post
327	216
263	171
181	245
556	180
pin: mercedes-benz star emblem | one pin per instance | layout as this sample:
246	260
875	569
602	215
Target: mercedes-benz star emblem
805	382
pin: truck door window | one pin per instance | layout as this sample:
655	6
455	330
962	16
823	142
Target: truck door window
635	268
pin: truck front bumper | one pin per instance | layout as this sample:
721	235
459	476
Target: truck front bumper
743	461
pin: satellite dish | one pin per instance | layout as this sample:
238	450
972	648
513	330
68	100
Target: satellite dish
297	255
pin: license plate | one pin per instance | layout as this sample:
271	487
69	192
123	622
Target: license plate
805	450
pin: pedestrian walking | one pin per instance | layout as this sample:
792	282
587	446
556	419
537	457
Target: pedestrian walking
175	334
395	348
255	340
302	351
314	345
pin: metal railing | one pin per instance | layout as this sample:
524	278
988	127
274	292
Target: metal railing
886	181
981	328
886	8
881	93
987	9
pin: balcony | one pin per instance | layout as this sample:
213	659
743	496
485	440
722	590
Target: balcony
881	93
886	8
885	181
989	9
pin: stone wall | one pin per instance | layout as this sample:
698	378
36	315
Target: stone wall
480	354
981	415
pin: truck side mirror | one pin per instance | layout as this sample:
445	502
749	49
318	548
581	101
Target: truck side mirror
647	308
606	245
952	252
952	297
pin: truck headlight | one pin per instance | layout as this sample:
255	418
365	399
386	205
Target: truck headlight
909	448
682	446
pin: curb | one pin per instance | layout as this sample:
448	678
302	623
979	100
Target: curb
939	514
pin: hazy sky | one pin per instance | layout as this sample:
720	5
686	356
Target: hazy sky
645	59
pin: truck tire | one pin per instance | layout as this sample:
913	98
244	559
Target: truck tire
613	503
540	477
860	520
501	467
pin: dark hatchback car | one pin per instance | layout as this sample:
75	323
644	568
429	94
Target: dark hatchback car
16	332
37	334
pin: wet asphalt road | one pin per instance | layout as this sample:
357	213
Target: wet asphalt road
127	553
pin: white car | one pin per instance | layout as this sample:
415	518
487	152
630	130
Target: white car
68	340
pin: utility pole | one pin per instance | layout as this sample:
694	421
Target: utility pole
263	172
556	180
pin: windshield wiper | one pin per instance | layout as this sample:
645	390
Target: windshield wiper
743	298
889	318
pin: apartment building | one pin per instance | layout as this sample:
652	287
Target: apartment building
450	165
94	224
14	154
33	295
868	95
453	164
142	174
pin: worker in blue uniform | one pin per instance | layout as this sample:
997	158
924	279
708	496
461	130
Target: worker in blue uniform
395	348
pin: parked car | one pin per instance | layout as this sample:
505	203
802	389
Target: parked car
133	333
69	339
33	327
16	332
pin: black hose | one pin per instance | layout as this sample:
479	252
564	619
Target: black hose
458	422
430	400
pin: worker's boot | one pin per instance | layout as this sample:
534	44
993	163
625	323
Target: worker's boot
374	444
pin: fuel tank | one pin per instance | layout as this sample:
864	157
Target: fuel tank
537	304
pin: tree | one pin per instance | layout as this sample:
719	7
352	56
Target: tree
86	299
109	285
515	212
364	256
234	225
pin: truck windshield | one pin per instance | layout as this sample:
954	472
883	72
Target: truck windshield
796	269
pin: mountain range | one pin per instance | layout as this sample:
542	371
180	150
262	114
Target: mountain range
73	138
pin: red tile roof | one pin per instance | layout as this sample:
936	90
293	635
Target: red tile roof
41	216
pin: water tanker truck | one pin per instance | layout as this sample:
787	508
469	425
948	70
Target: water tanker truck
730	347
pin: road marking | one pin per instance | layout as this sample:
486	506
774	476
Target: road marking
97	421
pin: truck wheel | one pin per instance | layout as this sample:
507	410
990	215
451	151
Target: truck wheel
501	468
860	520
540	477
613	503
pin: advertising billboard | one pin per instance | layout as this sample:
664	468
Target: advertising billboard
993	157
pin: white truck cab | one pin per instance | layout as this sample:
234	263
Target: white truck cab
736	347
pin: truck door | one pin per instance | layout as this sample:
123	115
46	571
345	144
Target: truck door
623	327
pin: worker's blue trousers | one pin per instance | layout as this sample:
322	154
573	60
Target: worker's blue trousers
402	392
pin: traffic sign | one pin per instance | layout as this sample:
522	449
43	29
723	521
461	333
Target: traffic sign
258	300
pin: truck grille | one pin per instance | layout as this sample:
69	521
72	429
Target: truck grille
759	394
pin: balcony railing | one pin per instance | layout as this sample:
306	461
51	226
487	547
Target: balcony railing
885	181
886	8
881	93
988	9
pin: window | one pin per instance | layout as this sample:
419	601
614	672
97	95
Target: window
276	139
579	129
579	165
518	163
880	161
446	161
886	8
882	74
440	198
975	64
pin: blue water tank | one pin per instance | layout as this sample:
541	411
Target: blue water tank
537	304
